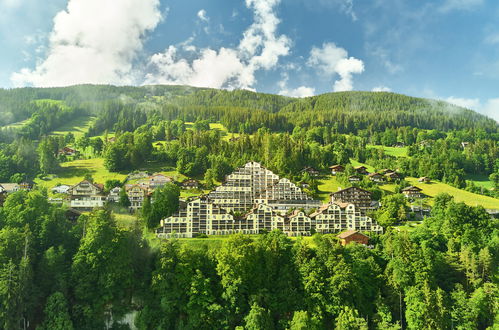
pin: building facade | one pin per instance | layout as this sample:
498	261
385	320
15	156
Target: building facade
86	196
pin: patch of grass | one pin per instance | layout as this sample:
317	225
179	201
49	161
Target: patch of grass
327	185
480	180
391	151
356	163
18	124
78	126
434	188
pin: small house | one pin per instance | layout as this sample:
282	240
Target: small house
9	188
376	177
310	170
353	236
190	184
424	179
61	189
392	176
354	178
336	169
67	151
412	192
360	169
114	195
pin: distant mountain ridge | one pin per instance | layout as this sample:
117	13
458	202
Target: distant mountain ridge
355	110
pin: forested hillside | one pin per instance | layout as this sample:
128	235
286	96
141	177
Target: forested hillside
433	267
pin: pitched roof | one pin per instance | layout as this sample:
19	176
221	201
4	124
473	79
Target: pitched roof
349	188
411	188
349	233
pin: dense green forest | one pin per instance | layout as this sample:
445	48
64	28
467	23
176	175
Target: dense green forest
96	273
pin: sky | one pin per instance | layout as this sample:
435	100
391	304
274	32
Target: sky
441	49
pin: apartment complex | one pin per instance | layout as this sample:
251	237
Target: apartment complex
86	195
263	201
359	197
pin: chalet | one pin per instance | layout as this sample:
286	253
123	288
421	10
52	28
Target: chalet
386	171
114	195
136	195
190	184
399	145
9	188
86	196
158	180
392	176
412	192
310	170
61	189
354	178
353	236
67	151
360	169
336	169
359	197
376	177
424	179
26	185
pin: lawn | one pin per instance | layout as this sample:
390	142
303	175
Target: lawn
391	151
467	197
73	172
326	186
480	180
78	126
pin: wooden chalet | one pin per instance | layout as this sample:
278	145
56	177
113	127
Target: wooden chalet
354	178
310	170
353	236
67	151
376	177
190	184
357	196
424	179
412	192
392	176
360	169
336	169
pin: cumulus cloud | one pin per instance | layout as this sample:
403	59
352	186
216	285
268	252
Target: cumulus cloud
381	89
259	48
489	108
93	41
302	91
202	15
331	60
450	5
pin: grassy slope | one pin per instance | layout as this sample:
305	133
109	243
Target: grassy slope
391	151
467	197
480	180
326	186
78	126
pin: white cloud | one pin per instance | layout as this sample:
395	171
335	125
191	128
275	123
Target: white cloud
302	91
492	38
93	41
464	102
489	108
450	5
259	48
10	4
331	60
202	15
381	89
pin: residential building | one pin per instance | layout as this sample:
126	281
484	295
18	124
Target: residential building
114	195
336	217
357	196
9	187
136	195
360	169
376	177
264	217
310	170
285	195
424	179
353	236
392	176
336	169
86	196
354	178
61	189
158	180
298	224
190	184
412	192
67	151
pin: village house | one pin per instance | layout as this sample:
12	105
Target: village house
353	236
67	151
392	176
310	170
86	196
190	184
336	169
357	196
412	192
61	189
360	169
424	179
158	180
376	177
354	178
136	195
114	195
9	188
386	171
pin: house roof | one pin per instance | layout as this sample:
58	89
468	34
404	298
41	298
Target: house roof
336	166
349	188
371	175
412	188
349	233
360	167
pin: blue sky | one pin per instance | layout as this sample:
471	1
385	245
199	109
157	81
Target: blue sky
444	49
